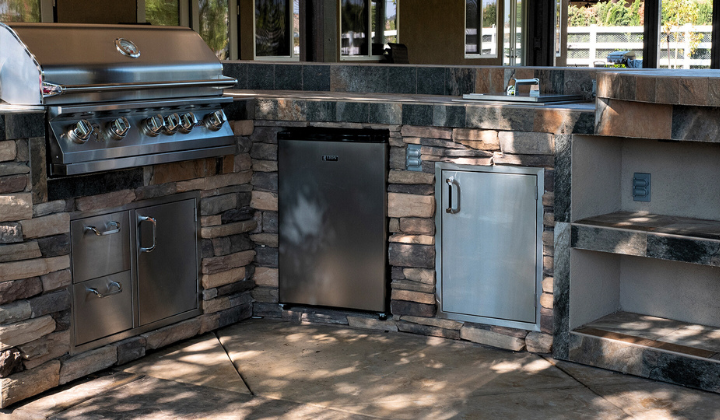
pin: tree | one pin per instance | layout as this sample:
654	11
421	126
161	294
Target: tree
20	11
607	13
675	14
214	26
489	15
162	12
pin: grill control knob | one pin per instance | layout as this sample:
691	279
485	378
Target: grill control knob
154	125
215	120
80	132
172	123
187	122
118	128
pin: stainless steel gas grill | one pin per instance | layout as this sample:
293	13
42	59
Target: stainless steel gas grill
117	96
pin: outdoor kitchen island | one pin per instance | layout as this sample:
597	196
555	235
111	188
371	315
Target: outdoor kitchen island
238	218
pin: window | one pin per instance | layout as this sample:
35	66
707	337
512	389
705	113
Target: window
162	12
558	27
595	30
277	32
215	26
366	27
20	11
514	33
685	34
480	28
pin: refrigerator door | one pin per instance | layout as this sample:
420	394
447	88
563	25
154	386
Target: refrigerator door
489	244
167	260
332	224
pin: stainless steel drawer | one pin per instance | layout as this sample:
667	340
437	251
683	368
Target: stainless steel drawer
100	246
102	307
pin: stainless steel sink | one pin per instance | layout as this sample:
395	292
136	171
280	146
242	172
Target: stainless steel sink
522	99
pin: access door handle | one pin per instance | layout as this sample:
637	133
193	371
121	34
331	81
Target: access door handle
118	289
111	227
154	223
450	209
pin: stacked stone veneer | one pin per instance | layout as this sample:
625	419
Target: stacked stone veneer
411	211
239	226
35	274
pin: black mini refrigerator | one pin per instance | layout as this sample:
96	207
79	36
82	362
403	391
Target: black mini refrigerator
333	218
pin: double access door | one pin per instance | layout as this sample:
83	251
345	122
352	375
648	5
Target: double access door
489	244
133	270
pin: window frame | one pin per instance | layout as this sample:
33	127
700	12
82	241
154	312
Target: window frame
292	57
366	57
498	38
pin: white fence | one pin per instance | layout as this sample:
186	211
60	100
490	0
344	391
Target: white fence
588	46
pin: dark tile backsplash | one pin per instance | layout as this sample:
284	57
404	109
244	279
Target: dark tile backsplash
402	80
459	81
261	77
316	78
288	77
431	80
399	79
367	79
237	71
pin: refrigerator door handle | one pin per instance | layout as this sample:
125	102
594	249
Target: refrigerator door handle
450	209
154	223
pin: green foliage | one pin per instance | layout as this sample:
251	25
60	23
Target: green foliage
676	14
607	14
489	15
705	13
162	12
214	26
21	11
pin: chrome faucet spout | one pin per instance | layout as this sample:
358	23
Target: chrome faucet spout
514	83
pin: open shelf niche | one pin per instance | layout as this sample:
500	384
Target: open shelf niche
645	275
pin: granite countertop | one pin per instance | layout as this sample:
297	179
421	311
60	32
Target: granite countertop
409	109
694	87
391	98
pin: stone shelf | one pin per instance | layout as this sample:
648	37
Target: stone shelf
650	347
664	334
672	238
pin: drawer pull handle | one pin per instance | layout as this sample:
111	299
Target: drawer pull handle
110	292
154	223
111	227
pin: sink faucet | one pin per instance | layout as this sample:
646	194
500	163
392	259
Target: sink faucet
514	83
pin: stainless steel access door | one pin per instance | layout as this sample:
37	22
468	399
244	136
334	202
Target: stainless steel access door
167	260
489	236
332	207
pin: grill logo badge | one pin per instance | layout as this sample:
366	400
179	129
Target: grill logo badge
330	158
127	48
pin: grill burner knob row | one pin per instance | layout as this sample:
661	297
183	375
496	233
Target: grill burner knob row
154	125
172	123
118	128
187	122
215	120
80	132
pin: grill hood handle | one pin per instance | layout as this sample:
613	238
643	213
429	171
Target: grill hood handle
52	89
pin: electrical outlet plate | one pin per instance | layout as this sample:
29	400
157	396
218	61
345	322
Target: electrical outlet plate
412	158
641	187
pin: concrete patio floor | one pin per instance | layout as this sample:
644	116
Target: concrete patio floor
262	369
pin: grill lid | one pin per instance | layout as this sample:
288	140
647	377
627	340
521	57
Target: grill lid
47	64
